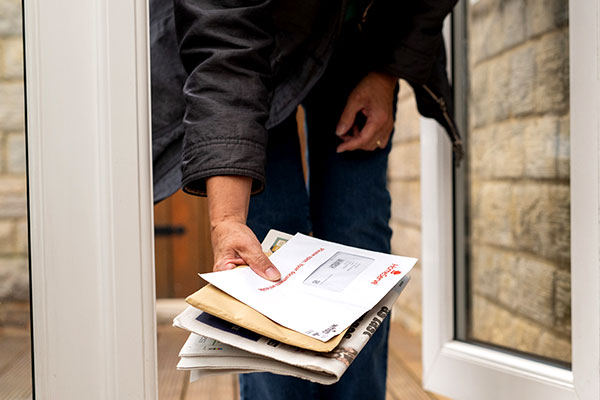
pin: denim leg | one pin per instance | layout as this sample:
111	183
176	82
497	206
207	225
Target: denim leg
267	386
283	205
349	204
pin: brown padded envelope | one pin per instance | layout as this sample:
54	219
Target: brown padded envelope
218	303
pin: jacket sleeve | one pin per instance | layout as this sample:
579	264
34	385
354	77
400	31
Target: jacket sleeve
406	36
225	47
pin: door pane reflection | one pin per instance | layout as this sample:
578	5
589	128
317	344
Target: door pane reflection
518	240
15	333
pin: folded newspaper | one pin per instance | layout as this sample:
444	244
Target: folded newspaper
333	283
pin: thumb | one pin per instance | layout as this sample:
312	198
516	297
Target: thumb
261	264
348	115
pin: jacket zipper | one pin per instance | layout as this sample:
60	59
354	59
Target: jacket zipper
457	145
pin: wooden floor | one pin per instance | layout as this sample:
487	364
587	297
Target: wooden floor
15	364
404	371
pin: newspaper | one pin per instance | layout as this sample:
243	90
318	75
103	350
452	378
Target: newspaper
324	288
219	347
216	346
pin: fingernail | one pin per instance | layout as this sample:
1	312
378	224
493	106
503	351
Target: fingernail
339	151
340	130
272	274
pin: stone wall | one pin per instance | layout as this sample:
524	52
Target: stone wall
404	173
14	279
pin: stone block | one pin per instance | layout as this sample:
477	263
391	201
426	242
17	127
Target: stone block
564	148
541	145
546	15
552	73
11	58
552	346
7	236
541	219
521	284
522	74
12	184
15	148
496	151
532	289
22	237
12	112
483	26
407	123
500	88
406	240
405	161
513	23
562	301
14	279
10	17
491	213
479	24
480	112
480	8
493	324
3	153
491	270
406	201
13	200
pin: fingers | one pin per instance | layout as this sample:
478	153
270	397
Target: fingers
261	264
227	263
375	134
235	244
353	106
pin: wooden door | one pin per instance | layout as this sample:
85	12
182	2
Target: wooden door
182	245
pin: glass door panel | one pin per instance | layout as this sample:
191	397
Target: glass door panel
513	197
15	330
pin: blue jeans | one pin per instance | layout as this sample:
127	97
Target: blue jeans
346	201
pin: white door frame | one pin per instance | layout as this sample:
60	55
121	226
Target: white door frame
90	199
466	371
91	224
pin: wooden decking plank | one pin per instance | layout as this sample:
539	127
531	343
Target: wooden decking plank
171	382
401	384
407	347
404	371
218	387
15	379
12	347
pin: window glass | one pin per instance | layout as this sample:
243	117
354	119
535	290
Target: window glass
516	191
15	333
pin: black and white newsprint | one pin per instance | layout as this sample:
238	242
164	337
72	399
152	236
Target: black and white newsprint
216	346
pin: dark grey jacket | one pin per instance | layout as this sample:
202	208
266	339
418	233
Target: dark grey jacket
226	71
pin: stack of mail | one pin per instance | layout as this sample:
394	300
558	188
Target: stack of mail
310	324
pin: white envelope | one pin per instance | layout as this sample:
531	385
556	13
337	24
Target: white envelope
324	288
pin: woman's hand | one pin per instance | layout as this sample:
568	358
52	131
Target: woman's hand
374	98
232	241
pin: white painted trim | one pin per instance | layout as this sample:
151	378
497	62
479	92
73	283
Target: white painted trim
87	72
467	371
